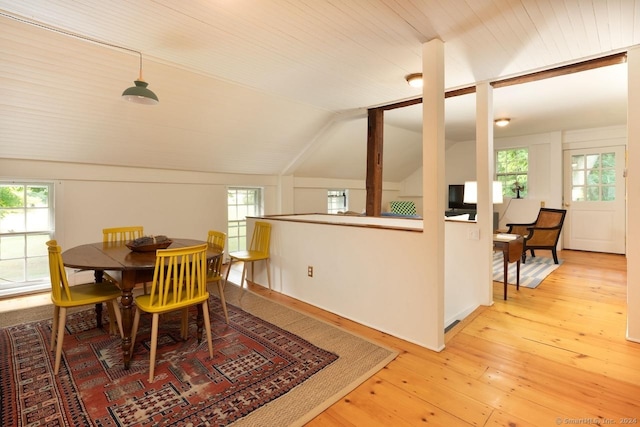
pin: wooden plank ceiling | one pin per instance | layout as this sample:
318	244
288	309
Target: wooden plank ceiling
271	76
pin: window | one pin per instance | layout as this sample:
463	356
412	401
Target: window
512	167
241	203
593	177
26	224
336	201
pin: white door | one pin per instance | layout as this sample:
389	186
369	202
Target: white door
594	196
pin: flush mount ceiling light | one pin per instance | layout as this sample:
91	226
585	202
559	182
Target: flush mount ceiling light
139	93
414	80
502	122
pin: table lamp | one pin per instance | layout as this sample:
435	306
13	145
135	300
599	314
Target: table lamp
471	192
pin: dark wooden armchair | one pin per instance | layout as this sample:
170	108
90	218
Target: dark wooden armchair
541	234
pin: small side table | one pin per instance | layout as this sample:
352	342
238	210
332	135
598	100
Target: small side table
511	247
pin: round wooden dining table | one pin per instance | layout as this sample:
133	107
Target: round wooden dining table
126	266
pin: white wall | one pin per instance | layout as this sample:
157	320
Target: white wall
545	173
460	165
633	198
310	194
91	197
367	273
175	203
187	204
463	289
359	272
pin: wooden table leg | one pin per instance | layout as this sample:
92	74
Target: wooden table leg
518	274
506	271
98	275
126	302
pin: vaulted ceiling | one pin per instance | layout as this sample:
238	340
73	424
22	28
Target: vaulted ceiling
281	86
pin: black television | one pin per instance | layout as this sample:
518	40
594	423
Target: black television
456	198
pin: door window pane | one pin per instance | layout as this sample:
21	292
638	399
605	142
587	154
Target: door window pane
593	194
593	177
608	193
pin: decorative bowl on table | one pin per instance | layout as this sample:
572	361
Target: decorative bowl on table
149	243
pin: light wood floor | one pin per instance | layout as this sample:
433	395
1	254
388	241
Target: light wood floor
555	355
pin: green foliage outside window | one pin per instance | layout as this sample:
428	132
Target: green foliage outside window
10	197
26	223
593	177
512	169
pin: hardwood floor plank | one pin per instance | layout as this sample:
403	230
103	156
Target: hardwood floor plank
499	418
333	417
537	379
413	409
572	335
444	395
546	356
556	352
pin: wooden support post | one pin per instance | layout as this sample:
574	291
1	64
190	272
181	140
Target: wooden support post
374	161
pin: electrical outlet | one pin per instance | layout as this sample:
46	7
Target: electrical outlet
310	271
542	203
473	234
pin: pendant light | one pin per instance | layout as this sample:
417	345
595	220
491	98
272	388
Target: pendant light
139	93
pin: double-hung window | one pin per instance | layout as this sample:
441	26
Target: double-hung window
337	201
241	203
26	224
512	169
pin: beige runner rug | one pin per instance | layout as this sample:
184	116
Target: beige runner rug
359	360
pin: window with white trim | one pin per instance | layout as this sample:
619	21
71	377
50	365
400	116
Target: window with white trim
512	169
26	224
337	201
241	203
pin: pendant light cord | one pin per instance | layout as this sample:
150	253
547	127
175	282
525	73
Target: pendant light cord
140	78
71	34
138	94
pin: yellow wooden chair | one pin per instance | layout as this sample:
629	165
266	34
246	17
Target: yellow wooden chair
258	251
122	234
179	281
217	239
64	296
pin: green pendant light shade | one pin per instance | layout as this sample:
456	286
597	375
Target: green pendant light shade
139	93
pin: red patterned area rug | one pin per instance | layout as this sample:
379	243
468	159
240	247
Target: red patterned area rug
256	365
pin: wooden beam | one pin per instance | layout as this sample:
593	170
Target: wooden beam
461	91
374	161
376	121
605	61
617	58
401	104
415	101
